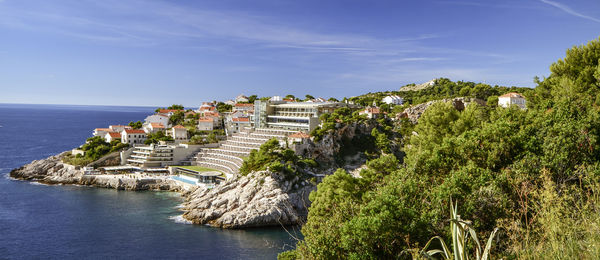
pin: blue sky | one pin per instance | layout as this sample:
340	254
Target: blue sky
129	52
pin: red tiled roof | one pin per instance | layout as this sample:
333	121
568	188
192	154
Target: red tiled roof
373	110
205	119
241	119
124	126
211	114
134	131
512	94
179	127
157	125
103	129
168	110
114	135
243	105
299	135
288	100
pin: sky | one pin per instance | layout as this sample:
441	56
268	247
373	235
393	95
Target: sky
157	53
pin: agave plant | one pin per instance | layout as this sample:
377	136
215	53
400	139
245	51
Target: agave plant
461	231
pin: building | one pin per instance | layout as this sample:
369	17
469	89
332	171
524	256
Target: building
371	112
119	128
276	98
241	99
215	116
133	136
159	155
393	100
179	133
299	137
243	107
168	112
301	116
153	128
158	118
230	102
238	123
101	131
205	124
512	98
110	136
207	106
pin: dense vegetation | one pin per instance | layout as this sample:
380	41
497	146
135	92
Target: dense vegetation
94	148
534	173
277	159
443	88
378	140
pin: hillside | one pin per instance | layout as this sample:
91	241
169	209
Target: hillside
443	88
533	174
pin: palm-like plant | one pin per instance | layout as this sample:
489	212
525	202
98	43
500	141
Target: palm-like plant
461	230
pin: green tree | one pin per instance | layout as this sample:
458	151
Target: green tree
136	125
252	98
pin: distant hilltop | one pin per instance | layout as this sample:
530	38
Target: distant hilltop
413	87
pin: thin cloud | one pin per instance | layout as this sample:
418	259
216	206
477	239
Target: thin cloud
569	10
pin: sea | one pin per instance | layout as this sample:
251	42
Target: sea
79	222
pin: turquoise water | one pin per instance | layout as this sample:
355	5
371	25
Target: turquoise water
40	221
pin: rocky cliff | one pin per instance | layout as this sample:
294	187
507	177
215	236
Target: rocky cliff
259	199
53	171
413	113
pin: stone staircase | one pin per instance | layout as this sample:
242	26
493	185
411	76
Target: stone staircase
230	154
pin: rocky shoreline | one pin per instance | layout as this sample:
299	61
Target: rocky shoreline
53	171
258	200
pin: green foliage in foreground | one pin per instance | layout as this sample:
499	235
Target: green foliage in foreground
277	159
534	173
461	231
94	148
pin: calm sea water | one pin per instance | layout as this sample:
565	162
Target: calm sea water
39	221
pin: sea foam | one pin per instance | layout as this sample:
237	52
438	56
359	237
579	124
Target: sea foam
179	219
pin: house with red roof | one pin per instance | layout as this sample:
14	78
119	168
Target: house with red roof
243	107
158	118
133	136
153	128
111	136
512	98
119	128
179	133
101	131
205	123
371	112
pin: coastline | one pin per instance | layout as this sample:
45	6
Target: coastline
261	199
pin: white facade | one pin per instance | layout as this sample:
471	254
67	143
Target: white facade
101	131
109	137
394	100
179	133
205	124
133	137
153	127
119	128
512	98
241	99
159	119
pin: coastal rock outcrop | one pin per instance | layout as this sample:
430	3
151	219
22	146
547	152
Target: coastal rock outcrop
53	171
259	199
50	171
